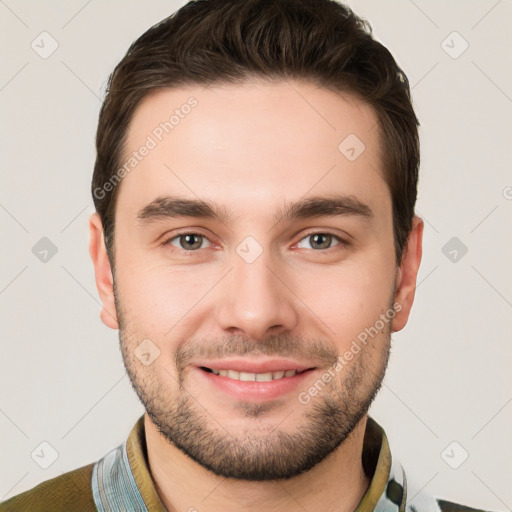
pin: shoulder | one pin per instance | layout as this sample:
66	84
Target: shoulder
70	491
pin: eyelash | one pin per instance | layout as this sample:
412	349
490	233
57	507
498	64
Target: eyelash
341	242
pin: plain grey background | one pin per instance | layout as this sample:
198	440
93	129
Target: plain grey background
447	394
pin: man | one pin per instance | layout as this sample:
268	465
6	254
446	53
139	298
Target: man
255	244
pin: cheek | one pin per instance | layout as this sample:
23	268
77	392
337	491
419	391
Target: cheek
345	301
160	301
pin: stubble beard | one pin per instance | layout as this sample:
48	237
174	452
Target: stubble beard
262	451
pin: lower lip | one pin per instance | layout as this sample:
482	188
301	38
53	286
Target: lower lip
254	390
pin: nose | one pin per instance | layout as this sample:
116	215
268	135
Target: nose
257	299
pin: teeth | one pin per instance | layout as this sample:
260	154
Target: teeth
233	374
259	377
263	377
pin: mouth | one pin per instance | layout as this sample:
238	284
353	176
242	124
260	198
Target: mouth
267	381
254	377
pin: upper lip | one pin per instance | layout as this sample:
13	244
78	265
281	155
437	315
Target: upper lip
255	366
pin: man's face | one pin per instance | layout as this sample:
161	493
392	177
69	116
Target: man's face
255	286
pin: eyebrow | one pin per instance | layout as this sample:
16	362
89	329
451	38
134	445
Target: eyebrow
165	207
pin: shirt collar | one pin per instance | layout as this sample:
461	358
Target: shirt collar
121	480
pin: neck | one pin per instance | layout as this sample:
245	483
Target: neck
183	484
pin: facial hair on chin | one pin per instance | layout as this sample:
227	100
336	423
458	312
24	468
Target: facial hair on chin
256	455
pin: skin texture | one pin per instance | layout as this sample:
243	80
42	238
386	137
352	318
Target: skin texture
253	148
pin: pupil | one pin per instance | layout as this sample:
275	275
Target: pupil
190	240
317	236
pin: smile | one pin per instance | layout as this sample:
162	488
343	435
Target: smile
247	376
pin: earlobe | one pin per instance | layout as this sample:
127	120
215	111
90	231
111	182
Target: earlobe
102	271
407	274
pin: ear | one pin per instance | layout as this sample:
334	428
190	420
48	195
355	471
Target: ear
103	272
406	275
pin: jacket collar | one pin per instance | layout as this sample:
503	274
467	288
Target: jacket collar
121	480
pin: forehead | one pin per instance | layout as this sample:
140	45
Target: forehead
251	145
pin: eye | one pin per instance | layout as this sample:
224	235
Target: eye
193	242
321	240
187	241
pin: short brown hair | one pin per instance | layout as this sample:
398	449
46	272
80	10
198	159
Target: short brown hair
229	41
